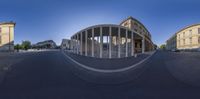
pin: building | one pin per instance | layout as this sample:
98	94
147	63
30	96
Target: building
48	44
65	44
113	41
138	27
187	38
171	44
7	36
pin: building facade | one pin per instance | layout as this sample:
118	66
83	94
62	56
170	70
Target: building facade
171	44
187	38
66	44
112	41
138	27
7	36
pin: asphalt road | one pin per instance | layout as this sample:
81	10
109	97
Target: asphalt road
48	75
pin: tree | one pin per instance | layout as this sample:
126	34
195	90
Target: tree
26	45
163	47
17	47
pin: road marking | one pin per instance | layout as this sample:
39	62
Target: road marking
107	71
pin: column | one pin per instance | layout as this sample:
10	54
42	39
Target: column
126	43
86	39
143	44
101	42
98	48
132	44
81	46
92	42
77	44
72	44
119	42
110	42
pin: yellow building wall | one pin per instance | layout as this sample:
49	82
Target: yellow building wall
7	35
191	37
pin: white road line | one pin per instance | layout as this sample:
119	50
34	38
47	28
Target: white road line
107	71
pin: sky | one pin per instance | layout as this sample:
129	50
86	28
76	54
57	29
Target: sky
39	20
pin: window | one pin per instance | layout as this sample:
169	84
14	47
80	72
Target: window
199	40
183	34
126	24
135	24
135	45
190	40
0	39
135	30
190	32
183	41
199	30
0	35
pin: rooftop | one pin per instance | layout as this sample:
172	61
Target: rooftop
11	22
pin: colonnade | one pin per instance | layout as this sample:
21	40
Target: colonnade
107	41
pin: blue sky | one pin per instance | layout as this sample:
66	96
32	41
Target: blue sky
38	20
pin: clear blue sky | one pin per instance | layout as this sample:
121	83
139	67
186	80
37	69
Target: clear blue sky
38	20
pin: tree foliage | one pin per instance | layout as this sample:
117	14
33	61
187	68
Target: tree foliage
163	47
17	47
26	45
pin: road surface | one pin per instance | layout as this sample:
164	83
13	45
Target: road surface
48	75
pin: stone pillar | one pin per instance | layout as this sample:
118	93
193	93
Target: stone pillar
110	42
132	44
126	43
119	42
72	44
101	43
86	39
92	42
81	45
77	44
143	44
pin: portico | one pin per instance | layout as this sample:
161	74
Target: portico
108	41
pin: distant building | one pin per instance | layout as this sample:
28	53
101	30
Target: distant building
7	36
48	44
171	43
66	44
187	38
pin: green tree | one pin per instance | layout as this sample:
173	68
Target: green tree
26	45
163	47
17	47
